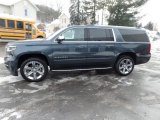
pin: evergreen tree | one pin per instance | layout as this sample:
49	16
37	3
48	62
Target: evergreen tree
47	14
90	7
77	16
149	26
123	12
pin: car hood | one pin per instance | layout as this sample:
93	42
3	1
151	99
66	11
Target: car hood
30	42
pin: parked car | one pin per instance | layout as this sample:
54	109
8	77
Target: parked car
79	48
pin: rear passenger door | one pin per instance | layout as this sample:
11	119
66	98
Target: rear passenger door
100	47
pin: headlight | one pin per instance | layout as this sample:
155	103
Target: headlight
10	48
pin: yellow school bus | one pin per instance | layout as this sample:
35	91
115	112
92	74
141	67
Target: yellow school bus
12	27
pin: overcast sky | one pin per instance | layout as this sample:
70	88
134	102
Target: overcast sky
54	3
150	10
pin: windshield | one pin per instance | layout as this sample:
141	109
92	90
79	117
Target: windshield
55	34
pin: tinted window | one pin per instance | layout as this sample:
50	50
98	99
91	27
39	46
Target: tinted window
134	35
2	23
19	25
75	34
11	23
97	34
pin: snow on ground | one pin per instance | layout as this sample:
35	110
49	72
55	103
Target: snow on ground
1	60
154	37
155	48
9	79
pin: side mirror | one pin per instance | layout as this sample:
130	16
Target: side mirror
60	39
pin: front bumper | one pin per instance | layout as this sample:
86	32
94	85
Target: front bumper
11	65
143	58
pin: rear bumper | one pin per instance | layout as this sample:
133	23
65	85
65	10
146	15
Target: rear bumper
142	59
11	65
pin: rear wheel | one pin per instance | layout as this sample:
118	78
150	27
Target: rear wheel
34	69
124	65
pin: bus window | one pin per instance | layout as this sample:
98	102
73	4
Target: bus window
10	23
28	27
2	23
19	25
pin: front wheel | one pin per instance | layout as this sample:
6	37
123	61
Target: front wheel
124	65
34	69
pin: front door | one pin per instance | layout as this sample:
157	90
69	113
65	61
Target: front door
71	52
100	47
28	28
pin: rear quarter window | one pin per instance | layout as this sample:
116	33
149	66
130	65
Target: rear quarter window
134	35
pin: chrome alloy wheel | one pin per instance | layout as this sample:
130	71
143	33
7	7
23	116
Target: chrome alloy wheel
125	66
34	70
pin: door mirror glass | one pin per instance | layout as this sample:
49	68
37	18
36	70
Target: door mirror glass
60	38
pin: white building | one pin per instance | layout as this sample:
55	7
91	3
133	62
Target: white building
62	21
101	16
20	8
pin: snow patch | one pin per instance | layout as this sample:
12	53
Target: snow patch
17	115
9	79
1	60
148	70
64	80
35	87
4	100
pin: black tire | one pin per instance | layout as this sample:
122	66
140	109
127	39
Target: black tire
38	60
39	37
119	64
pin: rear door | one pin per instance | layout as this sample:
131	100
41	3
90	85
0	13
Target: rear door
71	52
100	47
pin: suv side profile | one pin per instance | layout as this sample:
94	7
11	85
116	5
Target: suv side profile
79	48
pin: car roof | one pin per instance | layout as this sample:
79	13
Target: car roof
103	26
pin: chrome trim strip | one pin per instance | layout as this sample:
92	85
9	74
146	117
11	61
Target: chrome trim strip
114	36
84	69
132	42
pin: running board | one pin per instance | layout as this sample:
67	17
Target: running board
84	69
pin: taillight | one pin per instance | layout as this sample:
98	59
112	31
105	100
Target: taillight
149	48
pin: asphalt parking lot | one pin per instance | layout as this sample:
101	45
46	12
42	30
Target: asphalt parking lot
83	95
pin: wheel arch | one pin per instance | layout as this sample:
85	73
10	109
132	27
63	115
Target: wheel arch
26	56
131	54
40	36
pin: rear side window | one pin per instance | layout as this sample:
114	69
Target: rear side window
2	23
97	34
134	35
11	24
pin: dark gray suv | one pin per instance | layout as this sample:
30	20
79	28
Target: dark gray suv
79	48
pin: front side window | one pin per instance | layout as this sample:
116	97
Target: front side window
2	23
98	34
28	27
19	25
75	34
11	24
